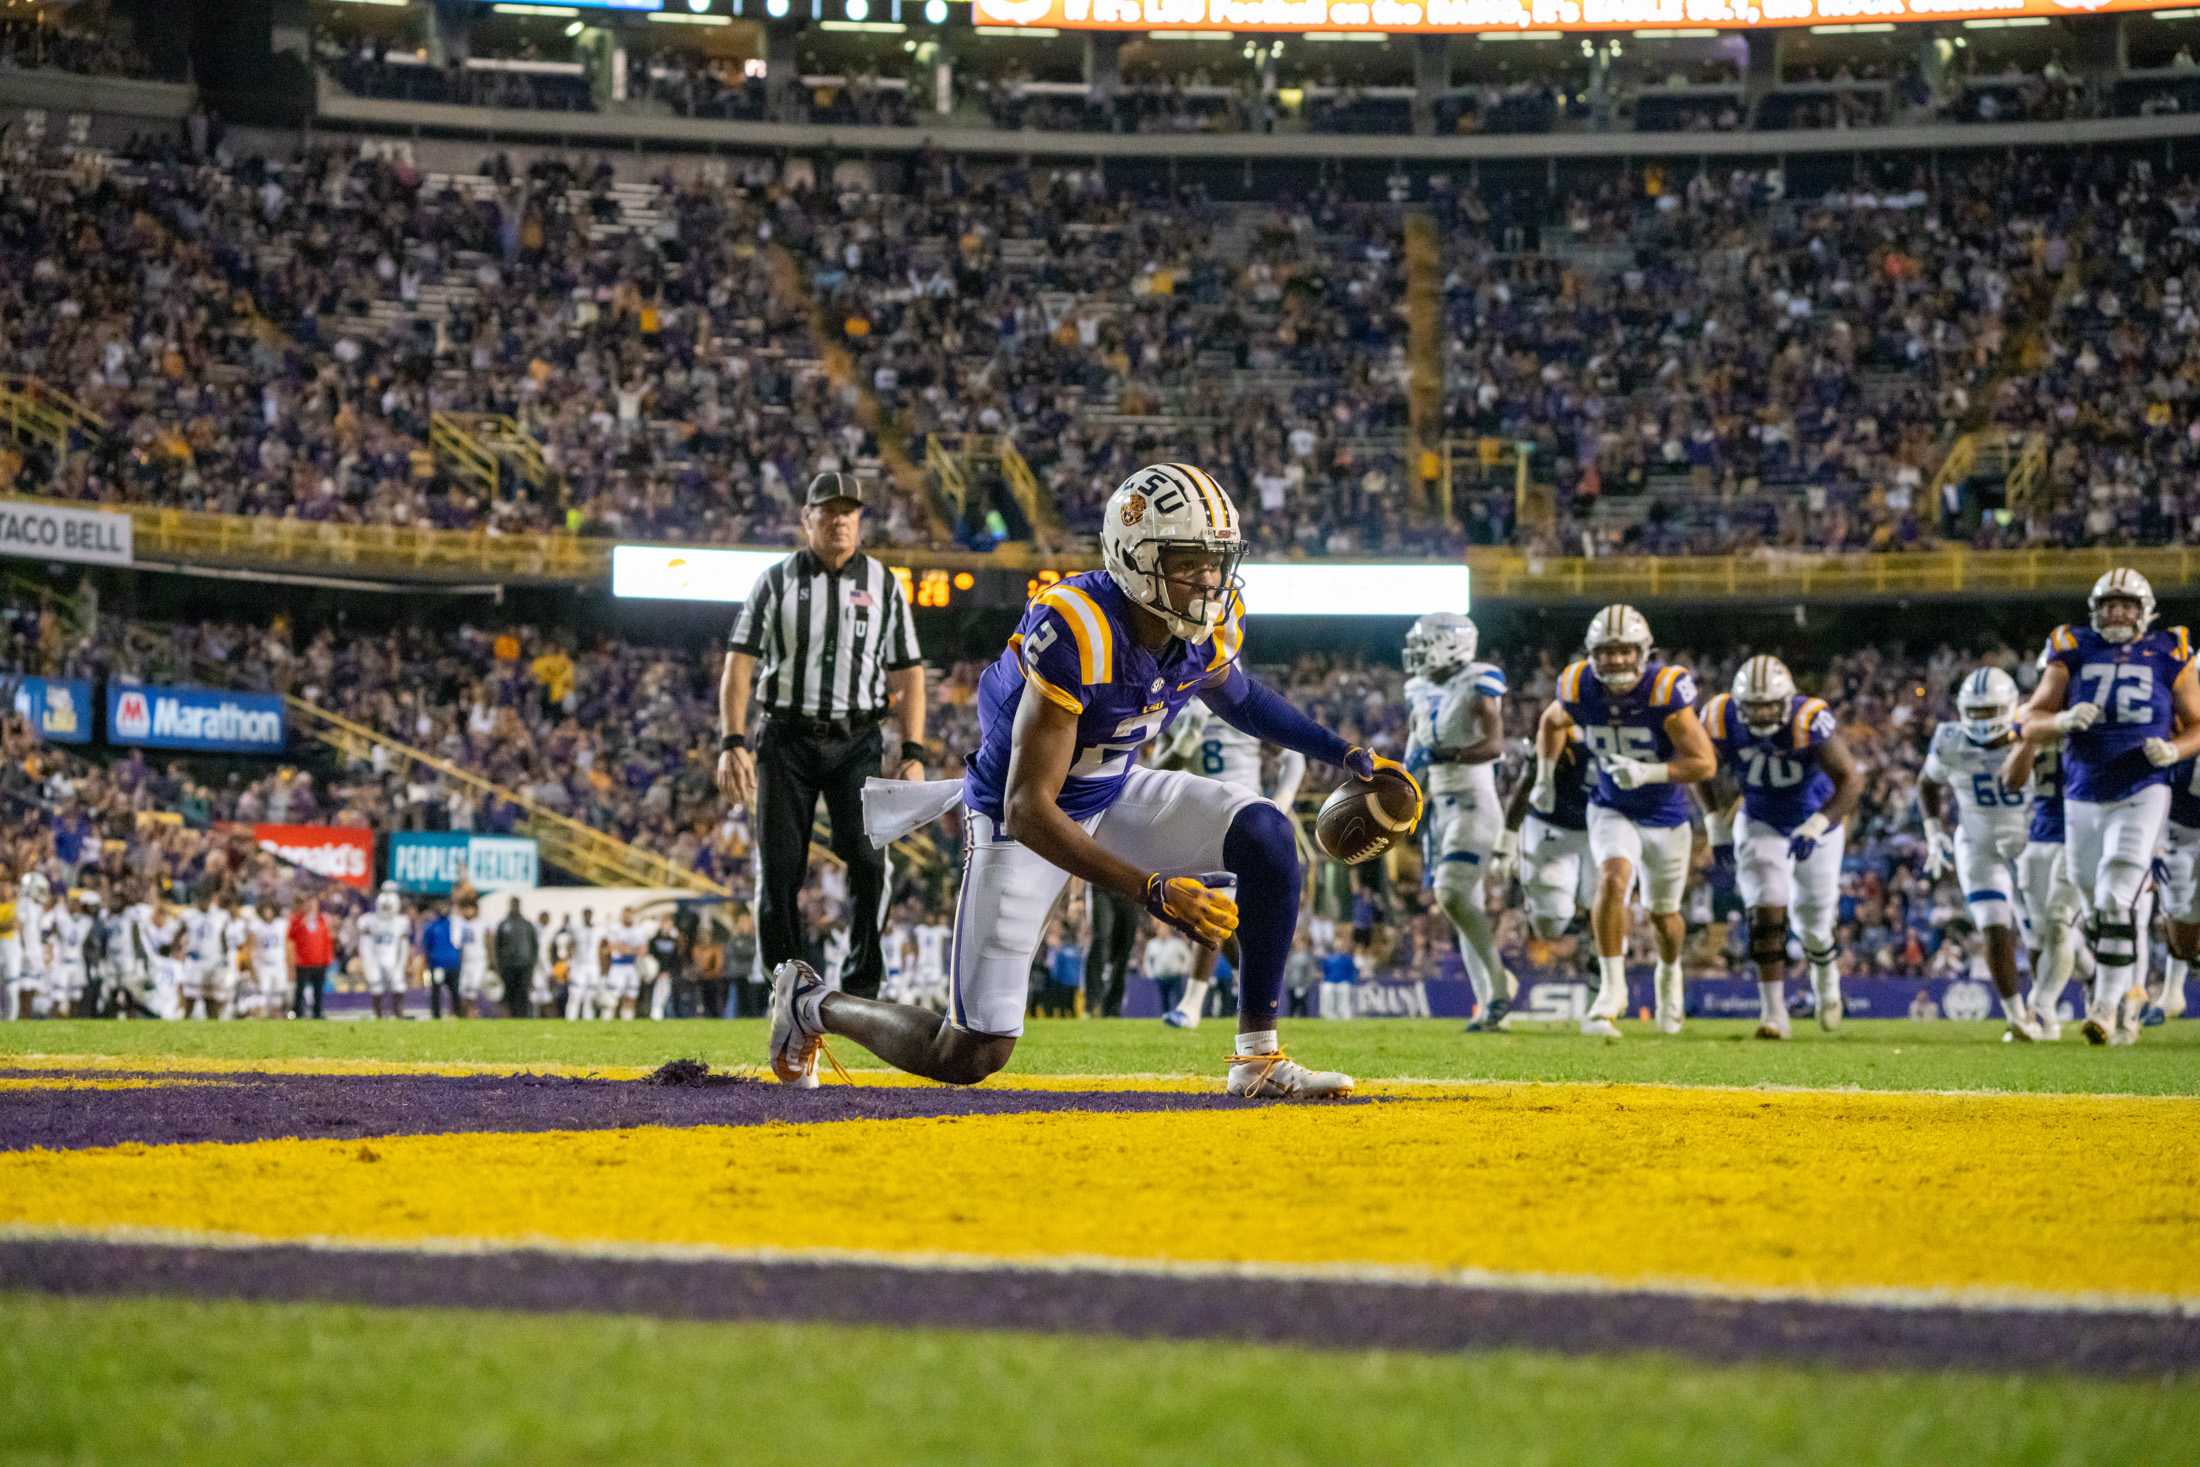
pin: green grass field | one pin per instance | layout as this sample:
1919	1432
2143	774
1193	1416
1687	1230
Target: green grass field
1879	1055
224	1384
181	1381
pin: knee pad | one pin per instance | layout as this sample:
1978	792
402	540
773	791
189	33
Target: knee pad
1768	940
1260	851
2115	944
1458	885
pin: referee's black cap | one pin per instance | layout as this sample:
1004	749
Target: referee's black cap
832	485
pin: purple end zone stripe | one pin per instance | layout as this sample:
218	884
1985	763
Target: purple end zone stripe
248	1107
1324	1315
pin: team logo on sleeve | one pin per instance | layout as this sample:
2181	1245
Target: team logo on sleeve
1134	509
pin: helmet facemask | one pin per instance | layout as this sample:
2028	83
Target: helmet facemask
1764	716
1205	604
1618	665
2126	625
1986	723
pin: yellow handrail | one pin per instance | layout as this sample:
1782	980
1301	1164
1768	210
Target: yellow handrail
455	441
1023	484
946	471
33	409
581	849
1498	575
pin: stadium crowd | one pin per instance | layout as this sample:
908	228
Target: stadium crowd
618	735
1692	364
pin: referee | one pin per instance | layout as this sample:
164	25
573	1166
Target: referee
825	636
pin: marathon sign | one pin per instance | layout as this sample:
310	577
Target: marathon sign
435	863
1530	18
48	532
196	720
57	709
340	853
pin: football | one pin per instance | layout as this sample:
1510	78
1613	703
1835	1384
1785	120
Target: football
1363	817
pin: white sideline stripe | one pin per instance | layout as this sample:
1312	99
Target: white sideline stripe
1473	1280
580	1069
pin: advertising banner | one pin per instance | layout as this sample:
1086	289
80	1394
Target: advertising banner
59	709
342	853
200	720
1383	17
48	532
434	862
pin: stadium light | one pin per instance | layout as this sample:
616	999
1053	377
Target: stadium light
1869	28
858	9
2007	23
551	11
1520	36
1376	36
777	9
935	12
1014	32
666	17
1190	36
868	27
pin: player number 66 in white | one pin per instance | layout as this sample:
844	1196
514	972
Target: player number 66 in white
2125	693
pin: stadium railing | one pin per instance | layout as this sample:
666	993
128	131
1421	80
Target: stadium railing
189	536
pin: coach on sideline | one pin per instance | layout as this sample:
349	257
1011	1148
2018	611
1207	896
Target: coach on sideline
823	637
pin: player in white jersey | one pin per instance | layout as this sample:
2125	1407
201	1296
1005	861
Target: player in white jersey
385	950
27	984
622	982
1207	746
898	954
1457	732
159	938
267	946
933	941
244	991
71	926
1963	764
208	981
584	972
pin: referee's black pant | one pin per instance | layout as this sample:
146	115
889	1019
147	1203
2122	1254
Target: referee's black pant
796	761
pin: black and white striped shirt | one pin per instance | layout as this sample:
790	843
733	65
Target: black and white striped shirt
825	640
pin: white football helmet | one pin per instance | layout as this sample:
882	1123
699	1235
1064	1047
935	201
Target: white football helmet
1761	690
2122	584
1613	631
1987	704
1446	641
389	901
35	887
1165	507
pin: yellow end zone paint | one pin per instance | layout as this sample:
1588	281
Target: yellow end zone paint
1631	1184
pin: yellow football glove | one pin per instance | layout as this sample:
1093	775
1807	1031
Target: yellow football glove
1200	907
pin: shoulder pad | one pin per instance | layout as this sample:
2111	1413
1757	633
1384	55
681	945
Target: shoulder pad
1569	681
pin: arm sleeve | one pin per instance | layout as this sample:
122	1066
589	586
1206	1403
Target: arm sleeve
901	628
1259	710
757	613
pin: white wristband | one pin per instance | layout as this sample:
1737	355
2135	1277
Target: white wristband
1656	774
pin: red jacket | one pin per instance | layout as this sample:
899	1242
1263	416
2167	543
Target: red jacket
310	937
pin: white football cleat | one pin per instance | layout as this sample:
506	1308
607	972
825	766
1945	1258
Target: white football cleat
2173	1000
1279	1077
1770	1030
2050	1024
1829	1016
1598	1027
794	1045
1669	1022
2022	1030
1178	1019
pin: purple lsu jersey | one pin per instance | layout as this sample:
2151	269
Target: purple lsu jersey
1630	725
2047	798
1783	782
2130	683
1075	648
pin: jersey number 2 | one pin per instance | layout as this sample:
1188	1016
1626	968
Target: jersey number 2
1129	734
